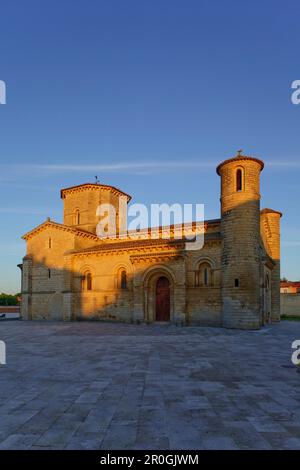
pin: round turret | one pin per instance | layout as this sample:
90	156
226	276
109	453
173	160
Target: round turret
240	227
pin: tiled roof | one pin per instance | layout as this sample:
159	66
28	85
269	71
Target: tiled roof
93	185
240	158
50	223
270	211
290	284
128	244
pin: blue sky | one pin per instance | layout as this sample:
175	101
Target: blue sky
150	95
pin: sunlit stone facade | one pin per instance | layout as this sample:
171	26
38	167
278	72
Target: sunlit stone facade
69	273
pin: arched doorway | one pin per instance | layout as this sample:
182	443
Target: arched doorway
162	305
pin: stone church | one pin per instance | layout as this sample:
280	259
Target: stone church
70	274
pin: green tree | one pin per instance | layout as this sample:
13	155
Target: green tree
8	299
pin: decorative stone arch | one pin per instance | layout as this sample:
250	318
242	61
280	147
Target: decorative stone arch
86	267
203	259
86	278
149	283
239	180
206	262
117	270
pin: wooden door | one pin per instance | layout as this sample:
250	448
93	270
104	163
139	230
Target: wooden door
162	299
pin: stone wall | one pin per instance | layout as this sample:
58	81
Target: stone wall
290	304
106	300
270	233
241	250
204	303
53	275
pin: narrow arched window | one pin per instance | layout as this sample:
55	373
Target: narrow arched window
239	180
205	276
88	281
77	217
50	243
267	283
123	280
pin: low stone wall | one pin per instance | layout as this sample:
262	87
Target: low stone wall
290	304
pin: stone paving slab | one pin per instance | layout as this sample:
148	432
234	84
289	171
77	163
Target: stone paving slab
91	385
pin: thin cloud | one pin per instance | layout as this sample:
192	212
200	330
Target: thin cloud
24	210
16	172
30	187
153	166
143	167
128	167
287	165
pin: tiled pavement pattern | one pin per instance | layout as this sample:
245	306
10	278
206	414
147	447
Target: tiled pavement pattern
115	386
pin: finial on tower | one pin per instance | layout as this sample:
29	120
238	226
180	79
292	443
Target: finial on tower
97	180
240	156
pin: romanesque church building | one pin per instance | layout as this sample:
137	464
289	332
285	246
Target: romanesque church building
71	274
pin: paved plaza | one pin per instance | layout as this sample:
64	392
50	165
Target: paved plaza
90	385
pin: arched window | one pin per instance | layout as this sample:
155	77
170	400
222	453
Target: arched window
50	243
123	279
76	217
239	179
204	276
87	281
267	282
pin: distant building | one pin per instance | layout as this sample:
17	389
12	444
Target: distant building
289	287
290	298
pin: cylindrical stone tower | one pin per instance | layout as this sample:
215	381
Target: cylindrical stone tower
240	227
271	220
